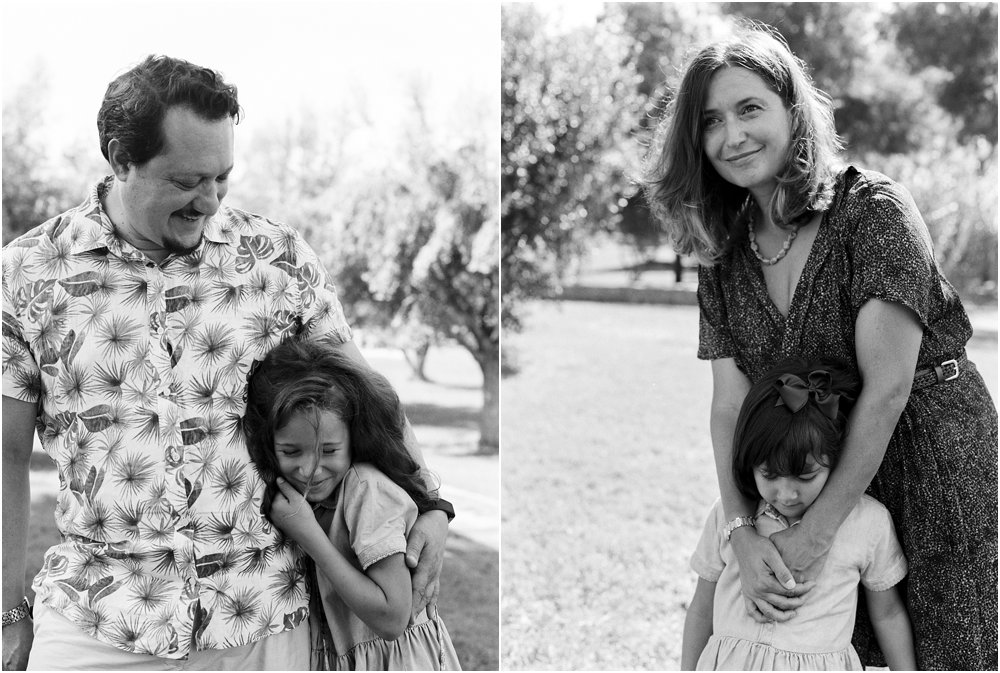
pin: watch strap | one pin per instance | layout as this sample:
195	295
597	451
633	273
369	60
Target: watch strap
738	522
18	613
444	506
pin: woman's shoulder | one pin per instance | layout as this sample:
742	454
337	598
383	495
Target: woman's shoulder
853	181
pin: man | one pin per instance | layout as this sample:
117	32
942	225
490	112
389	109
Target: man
130	324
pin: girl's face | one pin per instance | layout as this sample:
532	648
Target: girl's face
792	495
747	131
317	444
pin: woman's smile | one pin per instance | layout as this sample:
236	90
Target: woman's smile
747	131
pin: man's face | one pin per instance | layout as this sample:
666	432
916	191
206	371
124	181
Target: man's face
167	200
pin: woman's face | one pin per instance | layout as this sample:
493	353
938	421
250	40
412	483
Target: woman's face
314	446
747	131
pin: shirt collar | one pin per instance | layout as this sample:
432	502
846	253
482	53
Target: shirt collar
91	228
766	509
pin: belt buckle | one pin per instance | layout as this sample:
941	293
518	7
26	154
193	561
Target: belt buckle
953	363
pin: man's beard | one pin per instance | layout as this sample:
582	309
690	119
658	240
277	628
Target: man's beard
175	247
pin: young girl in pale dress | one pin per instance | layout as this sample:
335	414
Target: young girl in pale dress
788	437
327	436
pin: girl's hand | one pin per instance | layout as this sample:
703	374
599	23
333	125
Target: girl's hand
293	515
425	556
769	591
801	552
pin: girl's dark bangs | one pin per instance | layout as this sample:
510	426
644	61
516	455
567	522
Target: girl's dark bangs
793	449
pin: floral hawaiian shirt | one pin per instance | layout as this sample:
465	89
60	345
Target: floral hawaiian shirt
140	374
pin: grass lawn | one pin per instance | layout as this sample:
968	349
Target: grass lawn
607	478
446	409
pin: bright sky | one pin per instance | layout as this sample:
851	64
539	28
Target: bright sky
281	54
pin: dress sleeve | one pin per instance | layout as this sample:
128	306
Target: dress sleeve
322	314
714	338
707	559
890	249
22	378
885	562
378	514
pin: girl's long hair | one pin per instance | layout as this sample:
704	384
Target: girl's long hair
700	209
770	434
302	374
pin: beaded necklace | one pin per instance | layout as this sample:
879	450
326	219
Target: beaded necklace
770	261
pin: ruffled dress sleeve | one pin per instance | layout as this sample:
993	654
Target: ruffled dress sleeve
378	514
885	562
890	249
715	339
707	559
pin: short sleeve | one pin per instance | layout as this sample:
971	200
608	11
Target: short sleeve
885	562
890	249
707	560
21	376
322	313
714	337
378	514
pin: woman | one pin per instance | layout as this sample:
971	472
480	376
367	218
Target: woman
802	257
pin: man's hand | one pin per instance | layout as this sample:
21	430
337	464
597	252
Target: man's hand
17	639
770	592
293	515
425	556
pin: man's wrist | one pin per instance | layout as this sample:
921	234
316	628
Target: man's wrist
442	505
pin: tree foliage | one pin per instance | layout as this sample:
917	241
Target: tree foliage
568	103
36	184
912	99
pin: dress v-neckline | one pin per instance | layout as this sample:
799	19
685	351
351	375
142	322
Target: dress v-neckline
816	249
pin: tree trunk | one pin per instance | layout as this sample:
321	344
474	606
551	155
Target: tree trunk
418	359
489	418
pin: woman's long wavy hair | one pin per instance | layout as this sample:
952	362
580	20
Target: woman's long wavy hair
770	434
302	374
702	211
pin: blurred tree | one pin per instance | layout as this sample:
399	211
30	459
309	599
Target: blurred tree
667	34
409	236
456	275
568	104
959	38
37	185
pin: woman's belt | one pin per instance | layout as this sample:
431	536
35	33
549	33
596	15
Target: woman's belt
946	371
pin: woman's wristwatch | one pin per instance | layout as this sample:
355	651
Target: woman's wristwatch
17	614
738	522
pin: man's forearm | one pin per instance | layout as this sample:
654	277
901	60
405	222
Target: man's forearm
18	435
16	508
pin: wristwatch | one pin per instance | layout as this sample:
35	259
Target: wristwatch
738	522
17	614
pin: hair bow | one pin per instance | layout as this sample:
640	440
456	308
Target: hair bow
793	392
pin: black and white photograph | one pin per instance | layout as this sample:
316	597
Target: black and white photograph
251	336
749	299
554	335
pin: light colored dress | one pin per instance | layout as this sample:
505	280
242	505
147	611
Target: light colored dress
371	518
865	550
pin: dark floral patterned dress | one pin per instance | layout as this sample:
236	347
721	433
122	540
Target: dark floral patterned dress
939	474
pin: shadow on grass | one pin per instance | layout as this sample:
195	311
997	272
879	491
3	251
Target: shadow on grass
420	413
469	603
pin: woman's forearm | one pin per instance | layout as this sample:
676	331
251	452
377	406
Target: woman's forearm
870	428
728	390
